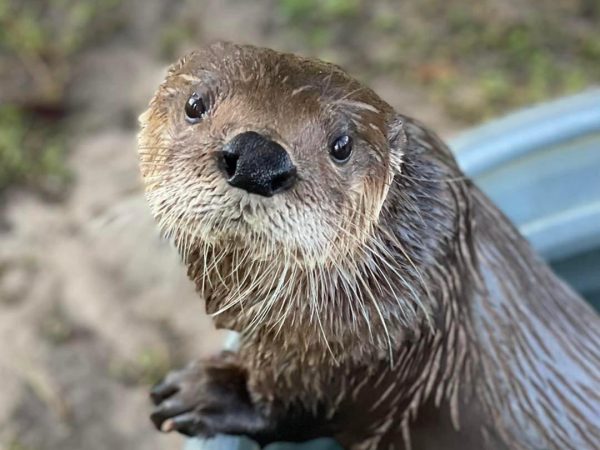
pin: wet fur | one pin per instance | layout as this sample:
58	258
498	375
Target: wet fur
386	303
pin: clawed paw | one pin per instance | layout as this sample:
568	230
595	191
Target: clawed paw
204	398
179	401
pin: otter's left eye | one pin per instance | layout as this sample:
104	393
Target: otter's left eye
341	149
195	108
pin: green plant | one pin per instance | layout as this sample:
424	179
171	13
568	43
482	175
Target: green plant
32	151
39	42
15	444
302	10
317	22
475	62
147	368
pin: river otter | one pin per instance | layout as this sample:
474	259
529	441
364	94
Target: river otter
381	298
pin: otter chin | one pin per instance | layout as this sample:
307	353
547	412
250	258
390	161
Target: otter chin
381	298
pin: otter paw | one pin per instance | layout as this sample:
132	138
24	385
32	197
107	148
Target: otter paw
205	398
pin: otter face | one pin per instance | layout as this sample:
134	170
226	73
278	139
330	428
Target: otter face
249	148
270	172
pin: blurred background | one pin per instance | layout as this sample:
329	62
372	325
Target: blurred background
93	306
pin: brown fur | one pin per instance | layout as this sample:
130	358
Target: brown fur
387	299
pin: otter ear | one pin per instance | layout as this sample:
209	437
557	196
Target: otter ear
179	65
396	140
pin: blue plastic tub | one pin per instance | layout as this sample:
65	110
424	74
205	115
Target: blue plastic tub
541	166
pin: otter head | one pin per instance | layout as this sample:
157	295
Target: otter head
270	172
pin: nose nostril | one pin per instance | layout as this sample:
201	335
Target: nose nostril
230	161
283	181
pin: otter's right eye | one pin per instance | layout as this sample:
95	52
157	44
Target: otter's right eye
341	149
195	109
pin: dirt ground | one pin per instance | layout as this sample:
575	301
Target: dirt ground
94	307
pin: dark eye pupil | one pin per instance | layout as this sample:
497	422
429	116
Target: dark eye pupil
341	148
195	108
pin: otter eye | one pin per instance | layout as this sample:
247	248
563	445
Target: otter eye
341	149
195	108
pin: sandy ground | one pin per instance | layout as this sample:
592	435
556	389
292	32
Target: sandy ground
94	306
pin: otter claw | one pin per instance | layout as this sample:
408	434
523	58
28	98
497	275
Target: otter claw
167	426
188	423
195	400
162	391
167	410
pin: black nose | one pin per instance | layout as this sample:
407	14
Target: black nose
257	165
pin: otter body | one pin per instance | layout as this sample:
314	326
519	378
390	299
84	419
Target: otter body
381	298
